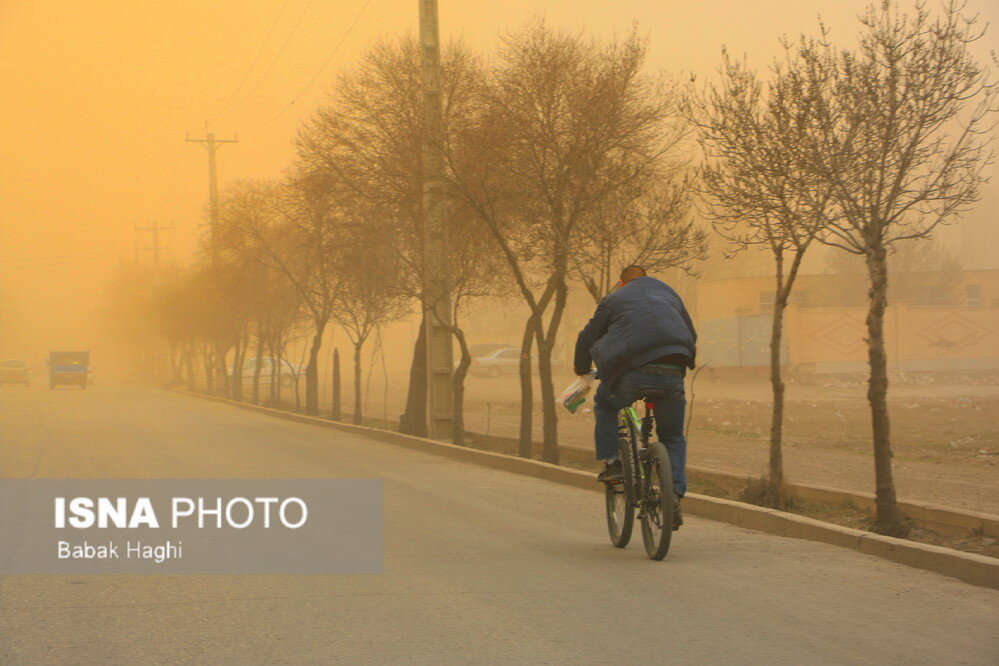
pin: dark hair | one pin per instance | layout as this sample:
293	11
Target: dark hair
632	272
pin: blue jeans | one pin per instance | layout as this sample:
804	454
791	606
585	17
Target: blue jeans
628	388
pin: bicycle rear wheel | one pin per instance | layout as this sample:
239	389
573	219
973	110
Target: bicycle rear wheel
619	499
658	501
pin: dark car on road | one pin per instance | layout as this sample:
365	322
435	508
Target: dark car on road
69	368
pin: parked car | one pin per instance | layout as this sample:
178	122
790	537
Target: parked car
493	360
486	348
14	371
502	361
289	372
69	367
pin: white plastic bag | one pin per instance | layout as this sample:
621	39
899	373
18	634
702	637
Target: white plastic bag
574	394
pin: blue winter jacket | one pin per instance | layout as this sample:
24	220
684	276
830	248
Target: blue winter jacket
640	322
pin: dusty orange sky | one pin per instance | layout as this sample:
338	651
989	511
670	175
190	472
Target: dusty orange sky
97	97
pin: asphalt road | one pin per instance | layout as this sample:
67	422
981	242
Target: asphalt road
481	566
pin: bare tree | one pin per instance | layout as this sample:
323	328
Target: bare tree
562	125
295	230
752	182
899	133
370	294
656	232
366	139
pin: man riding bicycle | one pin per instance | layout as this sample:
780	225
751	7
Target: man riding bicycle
641	338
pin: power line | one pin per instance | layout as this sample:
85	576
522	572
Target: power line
274	60
308	85
256	59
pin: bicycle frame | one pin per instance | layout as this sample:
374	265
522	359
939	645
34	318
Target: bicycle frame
630	412
643	426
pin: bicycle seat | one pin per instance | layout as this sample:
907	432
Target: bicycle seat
655	395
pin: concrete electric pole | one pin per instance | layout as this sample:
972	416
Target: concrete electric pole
437	297
212	145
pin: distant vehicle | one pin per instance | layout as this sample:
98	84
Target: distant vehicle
69	367
486	348
14	371
504	360
289	372
493	360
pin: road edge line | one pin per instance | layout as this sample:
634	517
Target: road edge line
967	567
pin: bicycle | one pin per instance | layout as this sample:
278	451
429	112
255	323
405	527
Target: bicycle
647	486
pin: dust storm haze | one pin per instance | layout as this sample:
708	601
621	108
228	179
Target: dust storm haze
97	98
377	207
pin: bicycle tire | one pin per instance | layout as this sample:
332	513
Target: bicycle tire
657	502
619	499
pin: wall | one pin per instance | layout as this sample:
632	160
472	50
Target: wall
832	339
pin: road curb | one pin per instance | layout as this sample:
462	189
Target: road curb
968	567
940	519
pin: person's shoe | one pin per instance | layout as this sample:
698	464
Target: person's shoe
677	514
612	472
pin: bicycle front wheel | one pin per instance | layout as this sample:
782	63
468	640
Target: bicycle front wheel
619	499
658	502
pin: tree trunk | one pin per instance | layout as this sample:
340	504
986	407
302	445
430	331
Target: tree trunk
888	519
275	381
775	479
525	443
775	495
358	405
414	420
209	363
458	388
546	340
549	446
258	359
298	396
189	358
337	412
312	370
222	383
238	350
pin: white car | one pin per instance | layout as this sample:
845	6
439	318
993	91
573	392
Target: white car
503	361
289	373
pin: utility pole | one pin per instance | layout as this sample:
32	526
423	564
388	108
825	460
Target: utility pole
212	145
154	231
437	295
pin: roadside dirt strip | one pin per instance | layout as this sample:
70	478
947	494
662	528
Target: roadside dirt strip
968	567
939	519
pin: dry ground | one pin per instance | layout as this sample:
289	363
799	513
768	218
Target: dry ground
945	431
945	428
